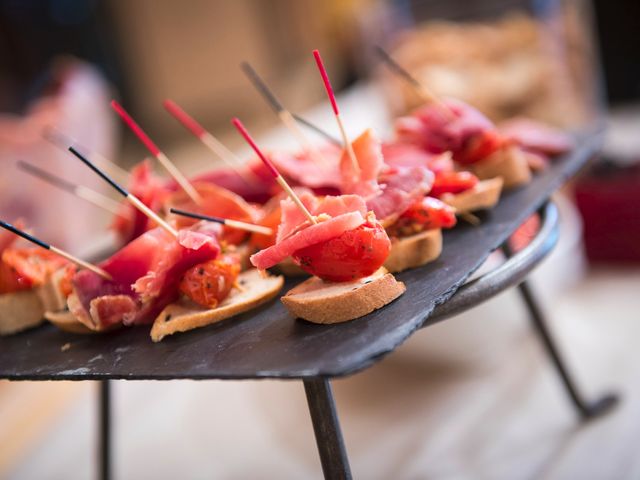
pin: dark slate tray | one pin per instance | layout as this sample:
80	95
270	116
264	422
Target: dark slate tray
267	342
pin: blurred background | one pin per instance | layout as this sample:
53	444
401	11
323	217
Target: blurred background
473	397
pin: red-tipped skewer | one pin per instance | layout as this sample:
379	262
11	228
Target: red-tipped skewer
210	141
135	201
157	153
250	227
274	171
72	258
332	98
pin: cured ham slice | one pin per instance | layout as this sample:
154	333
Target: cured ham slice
363	180
151	190
336	215
216	202
460	128
146	274
398	154
536	137
400	189
309	171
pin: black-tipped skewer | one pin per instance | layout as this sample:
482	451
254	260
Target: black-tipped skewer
426	94
135	201
323	133
225	221
78	261
284	115
80	191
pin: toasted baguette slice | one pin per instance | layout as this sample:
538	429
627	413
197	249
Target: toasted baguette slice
509	163
484	195
50	293
326	302
185	315
66	321
20	311
414	251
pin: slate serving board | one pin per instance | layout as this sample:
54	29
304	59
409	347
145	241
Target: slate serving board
267	342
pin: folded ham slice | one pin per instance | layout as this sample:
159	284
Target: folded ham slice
397	154
454	129
336	216
536	137
146	274
150	190
363	180
307	170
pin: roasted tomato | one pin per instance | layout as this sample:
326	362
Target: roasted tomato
209	283
355	254
423	215
479	147
23	268
271	220
452	182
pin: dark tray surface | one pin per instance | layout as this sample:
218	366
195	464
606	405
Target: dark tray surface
268	343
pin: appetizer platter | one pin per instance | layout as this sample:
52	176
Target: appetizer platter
383	230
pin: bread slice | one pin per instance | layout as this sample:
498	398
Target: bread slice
326	302
484	195
20	311
185	315
66	321
414	251
509	163
50	293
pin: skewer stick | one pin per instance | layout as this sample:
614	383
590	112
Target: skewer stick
330	138
225	221
78	261
91	196
155	151
426	94
470	218
135	201
334	105
211	142
284	115
62	141
274	171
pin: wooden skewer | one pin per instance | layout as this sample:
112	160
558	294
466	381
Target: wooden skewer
426	94
78	261
225	221
159	155
91	196
274	171
211	142
330	138
62	141
135	201
284	115
470	218
336	112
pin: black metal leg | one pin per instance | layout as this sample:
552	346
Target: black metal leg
104	431
333	456
586	409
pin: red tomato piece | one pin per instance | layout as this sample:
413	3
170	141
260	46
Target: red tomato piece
209	283
23	268
430	213
479	147
452	182
354	254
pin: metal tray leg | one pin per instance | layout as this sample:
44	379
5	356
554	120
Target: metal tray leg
104	430
333	456
586	409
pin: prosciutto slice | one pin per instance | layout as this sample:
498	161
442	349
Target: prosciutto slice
337	215
146	274
151	190
400	189
455	129
398	154
536	137
362	180
308	170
